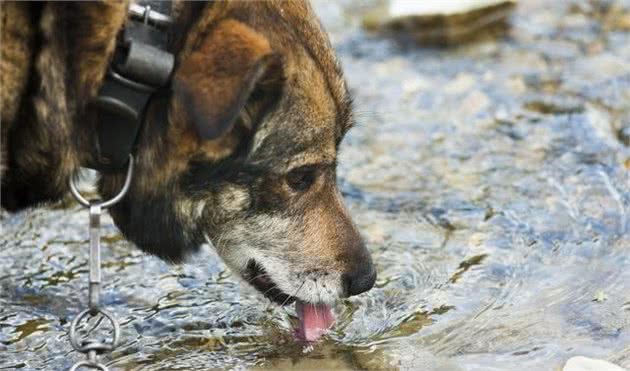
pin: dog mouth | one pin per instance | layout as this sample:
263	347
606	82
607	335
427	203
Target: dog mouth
258	277
314	319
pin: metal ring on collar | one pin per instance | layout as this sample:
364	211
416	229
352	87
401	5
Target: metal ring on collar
87	345
110	202
148	15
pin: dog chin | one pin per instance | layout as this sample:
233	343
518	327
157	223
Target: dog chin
256	275
272	277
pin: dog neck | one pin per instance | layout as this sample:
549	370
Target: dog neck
48	133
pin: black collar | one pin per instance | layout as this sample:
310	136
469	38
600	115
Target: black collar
141	66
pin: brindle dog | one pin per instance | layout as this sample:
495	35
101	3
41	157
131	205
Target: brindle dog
240	150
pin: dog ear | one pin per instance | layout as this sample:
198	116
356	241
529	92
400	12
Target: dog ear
231	66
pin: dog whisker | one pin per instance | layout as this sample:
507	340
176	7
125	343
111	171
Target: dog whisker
294	295
257	277
274	298
269	289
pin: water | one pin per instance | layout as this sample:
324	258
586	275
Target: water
491	182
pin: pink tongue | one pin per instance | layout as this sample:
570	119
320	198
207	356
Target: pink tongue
315	319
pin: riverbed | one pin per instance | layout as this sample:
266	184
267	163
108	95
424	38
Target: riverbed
490	180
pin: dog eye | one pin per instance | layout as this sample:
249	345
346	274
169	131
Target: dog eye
302	178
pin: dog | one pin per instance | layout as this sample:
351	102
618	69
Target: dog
239	151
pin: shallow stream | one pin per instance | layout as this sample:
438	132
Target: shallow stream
491	182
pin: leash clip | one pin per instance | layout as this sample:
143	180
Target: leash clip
93	347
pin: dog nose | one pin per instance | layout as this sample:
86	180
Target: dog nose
360	280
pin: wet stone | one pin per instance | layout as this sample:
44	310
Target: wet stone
589	364
555	105
441	23
624	135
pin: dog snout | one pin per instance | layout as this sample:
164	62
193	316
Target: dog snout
360	273
360	280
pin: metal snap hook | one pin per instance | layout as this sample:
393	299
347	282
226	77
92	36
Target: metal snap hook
110	202
93	347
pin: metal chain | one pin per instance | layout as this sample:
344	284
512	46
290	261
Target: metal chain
93	347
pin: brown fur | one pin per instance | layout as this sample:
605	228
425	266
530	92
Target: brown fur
40	141
15	61
241	152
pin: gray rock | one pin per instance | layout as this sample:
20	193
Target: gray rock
589	364
441	23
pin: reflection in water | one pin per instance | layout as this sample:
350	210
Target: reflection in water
490	182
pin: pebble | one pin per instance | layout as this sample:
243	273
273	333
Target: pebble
589	364
441	23
624	135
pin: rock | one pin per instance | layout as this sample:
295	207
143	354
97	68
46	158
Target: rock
589	364
555	105
620	23
474	103
462	83
600	296
624	135
409	358
441	23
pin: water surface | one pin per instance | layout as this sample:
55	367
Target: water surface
491	182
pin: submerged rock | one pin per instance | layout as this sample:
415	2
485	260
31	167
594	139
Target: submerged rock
441	23
624	135
590	364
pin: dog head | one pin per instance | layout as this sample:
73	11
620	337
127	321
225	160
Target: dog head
242	153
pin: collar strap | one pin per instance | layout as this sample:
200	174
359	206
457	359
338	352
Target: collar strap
141	66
